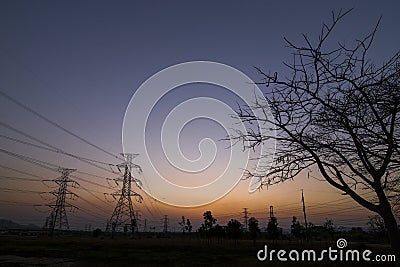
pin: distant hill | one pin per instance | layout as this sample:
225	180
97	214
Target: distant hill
7	224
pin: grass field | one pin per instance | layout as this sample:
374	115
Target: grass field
173	251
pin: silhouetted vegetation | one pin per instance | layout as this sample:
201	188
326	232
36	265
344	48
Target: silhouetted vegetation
254	229
330	228
97	232
337	112
377	227
186	225
234	230
213	244
274	232
298	231
207	225
219	232
83	249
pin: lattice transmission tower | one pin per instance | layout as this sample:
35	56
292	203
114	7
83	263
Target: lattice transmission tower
124	214
165	224
245	219
57	220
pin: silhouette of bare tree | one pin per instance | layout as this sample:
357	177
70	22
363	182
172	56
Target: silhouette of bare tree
338	113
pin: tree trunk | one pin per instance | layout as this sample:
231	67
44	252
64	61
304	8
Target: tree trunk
392	228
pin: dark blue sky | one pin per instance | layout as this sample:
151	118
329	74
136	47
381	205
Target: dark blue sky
79	62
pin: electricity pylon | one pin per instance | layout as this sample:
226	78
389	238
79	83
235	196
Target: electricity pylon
57	220
245	218
165	224
124	214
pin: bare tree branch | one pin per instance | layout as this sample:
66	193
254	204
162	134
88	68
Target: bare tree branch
337	112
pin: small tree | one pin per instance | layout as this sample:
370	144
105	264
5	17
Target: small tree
208	224
97	232
188	226
297	230
218	232
377	225
272	229
253	228
329	227
183	225
209	220
234	230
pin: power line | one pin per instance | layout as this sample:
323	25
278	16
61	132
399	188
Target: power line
148	209
3	189
56	167
35	161
94	205
311	207
22	172
16	102
99	219
55	149
155	207
102	200
294	206
19	178
40	163
90	182
47	147
16	203
52	148
32	160
93	175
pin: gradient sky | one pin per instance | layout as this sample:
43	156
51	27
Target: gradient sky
80	62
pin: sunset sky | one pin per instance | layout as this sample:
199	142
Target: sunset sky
78	63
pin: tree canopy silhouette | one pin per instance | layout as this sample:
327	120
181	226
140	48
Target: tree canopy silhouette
272	228
338	113
209	220
234	229
253	228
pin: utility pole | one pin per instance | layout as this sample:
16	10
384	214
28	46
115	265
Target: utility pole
57	220
165	224
245	217
124	214
138	224
145	226
271	212
304	212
